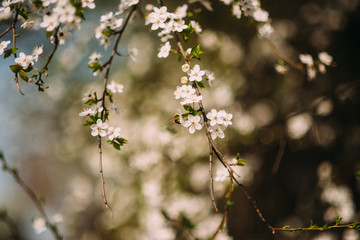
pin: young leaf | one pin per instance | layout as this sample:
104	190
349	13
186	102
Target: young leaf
7	53
15	68
24	76
49	34
188	108
338	220
90	102
241	162
325	227
229	204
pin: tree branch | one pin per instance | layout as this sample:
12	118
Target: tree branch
14	173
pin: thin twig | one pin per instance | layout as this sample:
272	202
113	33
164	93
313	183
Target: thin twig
315	130
288	229
227	206
212	179
39	81
283	57
6	31
14	231
51	227
13	25
279	155
108	65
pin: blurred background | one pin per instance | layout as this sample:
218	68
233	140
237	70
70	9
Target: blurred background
300	138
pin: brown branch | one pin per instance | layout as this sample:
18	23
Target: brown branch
280	155
283	57
212	146
14	231
353	225
6	31
14	173
212	179
227	207
108	65
13	25
39	81
315	130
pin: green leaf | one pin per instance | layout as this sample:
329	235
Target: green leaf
325	227
14	171
165	215
110	97
338	220
286	226
94	65
188	224
7	53
49	34
80	14
238	156
14	50
188	108
24	76
28	69
312	225
107	32
42	200
355	226
76	4
15	68
195	52
24	14
229	204
117	142
241	162
90	102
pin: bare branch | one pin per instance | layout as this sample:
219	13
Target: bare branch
14	173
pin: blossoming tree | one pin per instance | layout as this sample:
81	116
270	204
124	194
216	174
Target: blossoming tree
228	138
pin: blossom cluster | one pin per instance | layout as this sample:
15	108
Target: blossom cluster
99	114
312	67
169	23
188	96
251	8
111	22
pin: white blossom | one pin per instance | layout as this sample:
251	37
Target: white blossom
265	30
24	60
325	58
88	3
113	133
164	50
36	52
39	225
99	128
115	87
196	74
94	57
3	45
27	24
193	123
